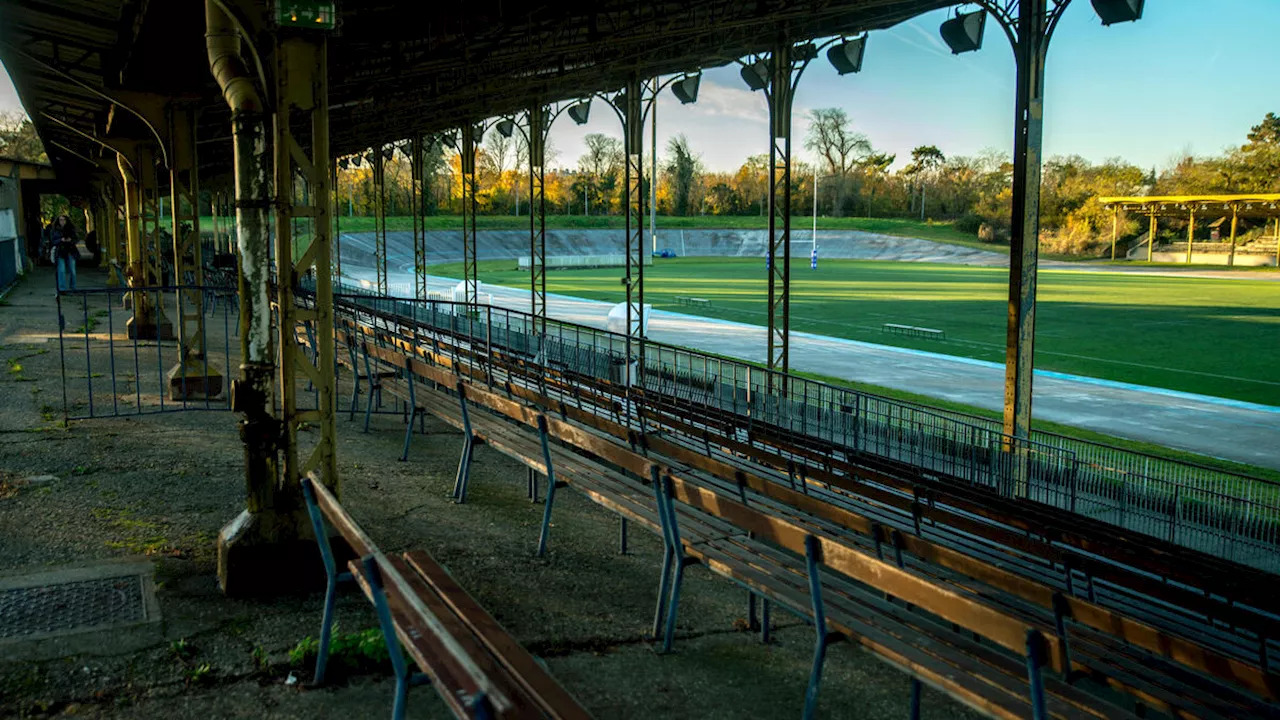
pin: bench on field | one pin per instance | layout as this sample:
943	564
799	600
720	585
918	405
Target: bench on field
913	331
477	668
692	301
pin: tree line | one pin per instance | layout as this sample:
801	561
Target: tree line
848	174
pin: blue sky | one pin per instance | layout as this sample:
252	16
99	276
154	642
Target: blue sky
1185	78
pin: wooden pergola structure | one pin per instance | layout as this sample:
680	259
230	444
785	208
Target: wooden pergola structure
1255	205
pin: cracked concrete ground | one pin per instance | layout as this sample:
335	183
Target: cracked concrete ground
160	487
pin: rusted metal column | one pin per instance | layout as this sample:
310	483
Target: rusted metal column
1191	234
633	142
380	219
142	197
538	218
133	234
302	157
1115	230
1024	244
1235	217
193	377
242	541
779	257
1151	236
470	185
417	206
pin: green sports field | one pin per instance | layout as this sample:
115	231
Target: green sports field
1212	336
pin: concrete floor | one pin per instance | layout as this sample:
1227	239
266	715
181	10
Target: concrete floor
1228	429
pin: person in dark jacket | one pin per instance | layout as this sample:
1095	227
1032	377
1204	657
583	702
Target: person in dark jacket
65	252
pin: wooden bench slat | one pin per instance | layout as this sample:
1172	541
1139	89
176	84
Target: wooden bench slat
478	648
533	678
455	686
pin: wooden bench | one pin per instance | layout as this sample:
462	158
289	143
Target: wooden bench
696	528
913	331
692	301
477	668
1010	605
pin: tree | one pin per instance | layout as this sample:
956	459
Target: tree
752	183
683	170
433	163
18	139
925	160
876	167
840	149
601	165
1255	167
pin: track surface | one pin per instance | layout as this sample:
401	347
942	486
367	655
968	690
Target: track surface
1227	429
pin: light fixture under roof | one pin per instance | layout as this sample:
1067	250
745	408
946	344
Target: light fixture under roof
963	33
686	88
580	111
756	75
1115	11
846	57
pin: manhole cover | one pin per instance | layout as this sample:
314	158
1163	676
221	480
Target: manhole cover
71	606
76	600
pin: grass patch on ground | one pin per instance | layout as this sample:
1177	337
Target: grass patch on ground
1201	335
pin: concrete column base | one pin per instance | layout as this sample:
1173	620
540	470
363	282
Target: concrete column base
194	380
143	329
254	562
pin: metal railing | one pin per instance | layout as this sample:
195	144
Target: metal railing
1226	514
1218	512
107	370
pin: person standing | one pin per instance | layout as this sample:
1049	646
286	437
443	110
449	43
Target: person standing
65	252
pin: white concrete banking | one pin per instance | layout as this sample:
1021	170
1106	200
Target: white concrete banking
1218	427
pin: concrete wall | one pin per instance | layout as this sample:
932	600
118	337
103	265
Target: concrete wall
445	246
1198	258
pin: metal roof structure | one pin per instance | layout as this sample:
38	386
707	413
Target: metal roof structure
23	170
396	68
1247	205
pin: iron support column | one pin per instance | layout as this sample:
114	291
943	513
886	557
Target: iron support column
335	207
192	377
145	252
1029	53
380	219
1191	234
538	219
1235	217
268	546
779	97
633	141
653	167
302	149
417	206
133	234
1151	237
470	185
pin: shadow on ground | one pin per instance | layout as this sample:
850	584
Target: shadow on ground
160	487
